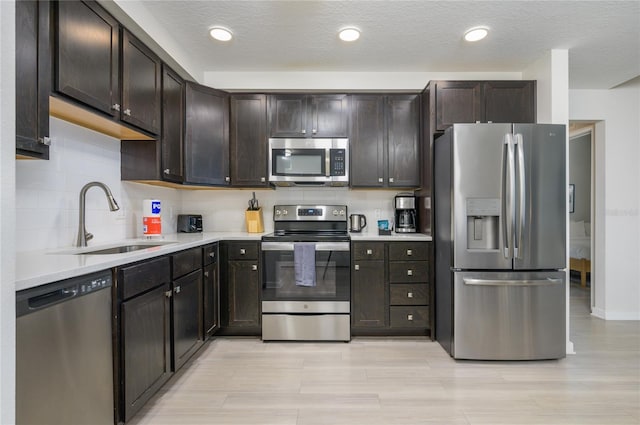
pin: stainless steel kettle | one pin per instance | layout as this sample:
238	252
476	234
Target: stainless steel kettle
357	222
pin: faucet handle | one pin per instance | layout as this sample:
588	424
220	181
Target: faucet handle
88	236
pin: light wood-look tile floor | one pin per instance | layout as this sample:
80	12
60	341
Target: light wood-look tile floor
407	381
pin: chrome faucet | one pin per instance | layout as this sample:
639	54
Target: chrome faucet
83	235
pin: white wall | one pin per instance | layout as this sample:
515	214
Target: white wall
7	212
617	178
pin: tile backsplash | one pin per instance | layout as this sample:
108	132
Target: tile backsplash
47	196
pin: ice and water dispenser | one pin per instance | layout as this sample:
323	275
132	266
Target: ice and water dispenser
483	223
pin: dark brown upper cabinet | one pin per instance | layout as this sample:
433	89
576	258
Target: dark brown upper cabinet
385	141
248	140
297	115
87	55
141	90
206	136
483	101
172	140
33	79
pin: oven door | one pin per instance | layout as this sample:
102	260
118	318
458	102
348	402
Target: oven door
333	279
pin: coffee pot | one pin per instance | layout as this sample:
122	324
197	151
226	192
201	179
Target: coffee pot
357	222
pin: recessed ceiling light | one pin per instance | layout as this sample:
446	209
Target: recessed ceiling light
476	33
349	34
220	33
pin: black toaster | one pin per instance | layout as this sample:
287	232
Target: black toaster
189	223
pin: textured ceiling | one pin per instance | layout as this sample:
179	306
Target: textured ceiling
603	37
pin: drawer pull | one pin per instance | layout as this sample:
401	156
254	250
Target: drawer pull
212	254
168	294
410	317
177	289
409	272
409	294
369	251
243	251
357	267
206	274
254	267
409	252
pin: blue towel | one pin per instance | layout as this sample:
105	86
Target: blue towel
304	260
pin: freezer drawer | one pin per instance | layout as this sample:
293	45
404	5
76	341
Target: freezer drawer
509	316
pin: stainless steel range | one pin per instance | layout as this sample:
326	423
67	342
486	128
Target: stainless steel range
306	286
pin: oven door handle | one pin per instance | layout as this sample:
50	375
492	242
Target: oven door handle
320	246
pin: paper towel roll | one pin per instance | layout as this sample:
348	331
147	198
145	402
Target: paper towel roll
151	217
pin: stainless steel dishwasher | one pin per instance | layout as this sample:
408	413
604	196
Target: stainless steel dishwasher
64	357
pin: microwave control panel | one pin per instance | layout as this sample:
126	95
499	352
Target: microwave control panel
337	162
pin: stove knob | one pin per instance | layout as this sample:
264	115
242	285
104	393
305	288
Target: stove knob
341	212
285	212
335	212
278	212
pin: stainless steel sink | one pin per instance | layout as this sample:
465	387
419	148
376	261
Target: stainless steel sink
122	248
117	249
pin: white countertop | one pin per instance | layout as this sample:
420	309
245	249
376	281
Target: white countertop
40	267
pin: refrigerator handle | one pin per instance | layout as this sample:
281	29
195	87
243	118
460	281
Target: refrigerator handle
508	194
496	282
519	144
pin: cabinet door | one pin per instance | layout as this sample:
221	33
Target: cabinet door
369	298
33	78
187	317
211	284
249	142
146	358
141	72
403	133
87	55
367	141
172	126
287	115
329	115
510	101
457	102
243	294
206	135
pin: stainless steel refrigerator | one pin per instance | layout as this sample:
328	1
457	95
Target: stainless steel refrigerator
500	241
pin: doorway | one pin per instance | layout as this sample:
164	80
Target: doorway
581	207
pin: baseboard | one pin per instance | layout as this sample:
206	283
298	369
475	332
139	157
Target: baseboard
570	349
615	315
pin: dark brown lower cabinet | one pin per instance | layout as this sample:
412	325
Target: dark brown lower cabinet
146	353
241	311
211	291
187	314
368	295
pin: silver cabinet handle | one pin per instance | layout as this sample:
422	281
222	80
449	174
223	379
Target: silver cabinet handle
263	179
410	317
357	267
380	180
167	171
409	294
168	294
243	251
409	272
390	179
254	267
206	274
227	179
44	141
369	252
409	252
177	289
314	131
212	254
115	107
304	131
127	112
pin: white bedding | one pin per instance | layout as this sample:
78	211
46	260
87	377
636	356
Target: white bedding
580	247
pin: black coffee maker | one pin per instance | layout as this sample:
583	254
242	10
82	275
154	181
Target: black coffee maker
406	213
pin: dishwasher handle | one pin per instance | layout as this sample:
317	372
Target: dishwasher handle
53	297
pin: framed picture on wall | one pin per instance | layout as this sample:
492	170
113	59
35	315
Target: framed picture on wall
572	198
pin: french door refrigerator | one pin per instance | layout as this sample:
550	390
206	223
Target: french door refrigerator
500	240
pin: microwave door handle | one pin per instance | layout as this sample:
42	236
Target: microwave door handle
327	162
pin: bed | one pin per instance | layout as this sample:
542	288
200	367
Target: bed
580	249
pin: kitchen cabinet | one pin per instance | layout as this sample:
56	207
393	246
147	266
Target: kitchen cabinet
211	290
186	305
385	141
241	287
172	139
301	115
483	101
141	90
248	140
390	289
206	136
369	288
143	316
33	78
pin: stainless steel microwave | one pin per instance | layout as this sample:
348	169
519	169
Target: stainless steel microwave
309	162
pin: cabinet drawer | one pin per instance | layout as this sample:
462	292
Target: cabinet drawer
186	261
408	271
243	251
408	251
368	251
409	294
409	317
141	277
210	254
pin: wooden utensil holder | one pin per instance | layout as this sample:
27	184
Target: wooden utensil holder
254	221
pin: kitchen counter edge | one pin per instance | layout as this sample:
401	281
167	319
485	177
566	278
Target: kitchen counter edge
393	237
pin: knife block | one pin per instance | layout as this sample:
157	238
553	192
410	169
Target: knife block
254	221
